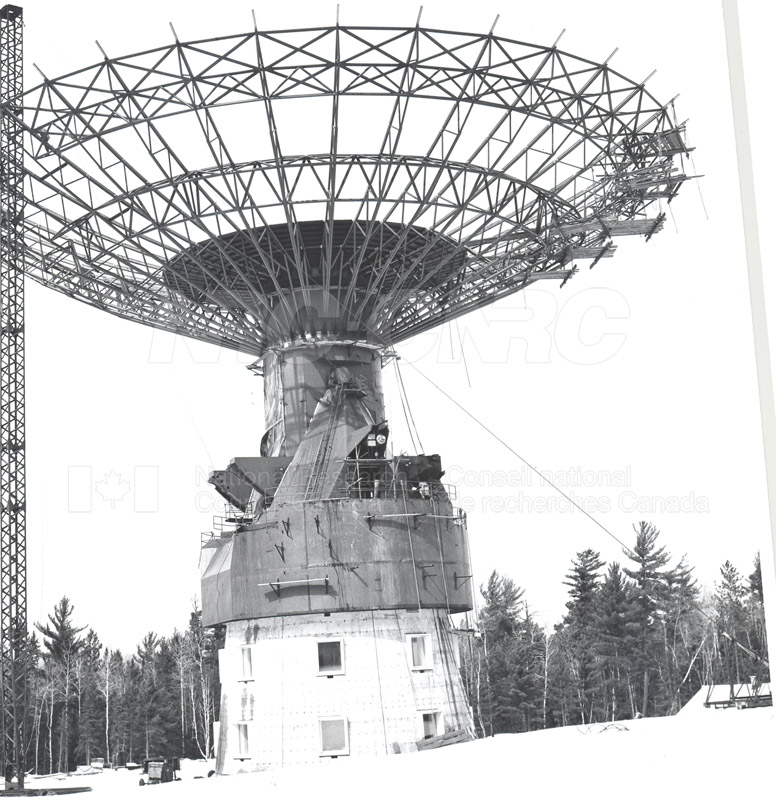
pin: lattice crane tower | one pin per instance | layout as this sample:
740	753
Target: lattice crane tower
13	575
316	197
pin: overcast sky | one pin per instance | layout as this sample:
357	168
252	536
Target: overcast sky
634	386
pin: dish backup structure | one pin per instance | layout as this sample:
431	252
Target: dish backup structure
315	197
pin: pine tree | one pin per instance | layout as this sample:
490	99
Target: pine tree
682	636
109	687
506	665
149	695
131	714
63	644
616	633
499	615
649	577
562	707
90	711
731	623
756	581
36	682
583	581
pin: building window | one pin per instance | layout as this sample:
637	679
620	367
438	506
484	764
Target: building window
334	736
242	740
331	657
247	664
432	721
419	645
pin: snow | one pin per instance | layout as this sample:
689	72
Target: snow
714	753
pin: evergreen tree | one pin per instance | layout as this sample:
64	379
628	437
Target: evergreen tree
507	663
90	711
149	696
63	645
731	623
88	701
499	615
756	581
616	634
168	719
682	627
561	706
583	581
649	577
498	625
35	706
756	631
110	688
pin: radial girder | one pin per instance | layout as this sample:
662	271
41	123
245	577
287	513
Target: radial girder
489	146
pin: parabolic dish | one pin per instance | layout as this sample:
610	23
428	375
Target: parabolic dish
369	181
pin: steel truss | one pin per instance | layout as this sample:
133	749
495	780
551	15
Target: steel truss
513	160
13	578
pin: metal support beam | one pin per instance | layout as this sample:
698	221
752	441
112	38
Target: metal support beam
13	578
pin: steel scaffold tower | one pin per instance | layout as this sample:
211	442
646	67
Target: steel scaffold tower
13	588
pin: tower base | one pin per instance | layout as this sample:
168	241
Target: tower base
299	689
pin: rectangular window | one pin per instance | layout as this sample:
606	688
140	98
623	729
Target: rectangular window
431	724
242	740
331	657
247	664
420	650
334	736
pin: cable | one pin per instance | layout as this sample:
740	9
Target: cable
402	400
527	463
622	544
463	353
191	416
409	408
700	193
409	419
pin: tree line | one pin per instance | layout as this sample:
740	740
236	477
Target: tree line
87	701
638	639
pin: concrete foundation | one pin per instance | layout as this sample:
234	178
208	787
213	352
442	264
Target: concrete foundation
300	689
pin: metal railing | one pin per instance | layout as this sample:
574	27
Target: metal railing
370	490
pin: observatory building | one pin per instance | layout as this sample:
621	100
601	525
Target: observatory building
314	198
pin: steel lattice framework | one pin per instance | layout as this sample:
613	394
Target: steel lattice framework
405	175
13	579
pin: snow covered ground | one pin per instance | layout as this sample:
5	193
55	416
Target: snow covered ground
700	752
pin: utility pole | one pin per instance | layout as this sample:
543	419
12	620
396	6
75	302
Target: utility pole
13	549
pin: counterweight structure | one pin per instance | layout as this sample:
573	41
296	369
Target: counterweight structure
315	197
13	576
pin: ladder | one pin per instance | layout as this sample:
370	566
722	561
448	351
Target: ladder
324	447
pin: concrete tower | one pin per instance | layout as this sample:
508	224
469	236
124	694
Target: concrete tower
337	584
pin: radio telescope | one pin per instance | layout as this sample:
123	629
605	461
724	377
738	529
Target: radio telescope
314	197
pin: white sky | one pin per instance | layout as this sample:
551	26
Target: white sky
642	369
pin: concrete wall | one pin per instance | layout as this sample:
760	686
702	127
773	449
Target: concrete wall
270	716
373	555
